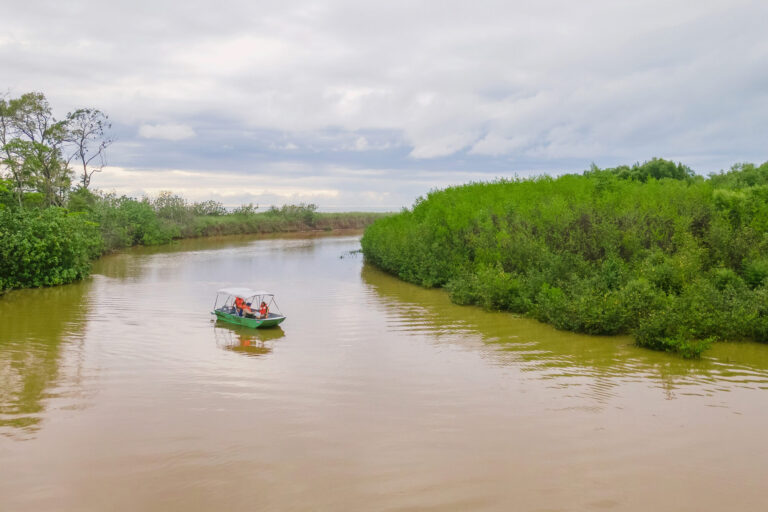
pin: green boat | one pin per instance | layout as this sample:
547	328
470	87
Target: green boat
243	306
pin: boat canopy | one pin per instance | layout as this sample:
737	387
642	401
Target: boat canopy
244	293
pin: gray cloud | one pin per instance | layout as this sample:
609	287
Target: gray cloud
409	88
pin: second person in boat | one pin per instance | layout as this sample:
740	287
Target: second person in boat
243	307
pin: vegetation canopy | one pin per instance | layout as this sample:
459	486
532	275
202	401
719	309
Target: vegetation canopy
676	259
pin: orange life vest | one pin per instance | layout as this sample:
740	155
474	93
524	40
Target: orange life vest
240	303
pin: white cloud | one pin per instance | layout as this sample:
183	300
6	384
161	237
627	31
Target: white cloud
166	131
427	145
361	144
489	84
197	185
331	187
494	144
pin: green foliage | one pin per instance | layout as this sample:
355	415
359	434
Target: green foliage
125	221
246	209
490	287
740	176
50	246
652	249
44	247
32	146
756	272
656	169
6	195
306	213
33	200
212	208
81	200
172	207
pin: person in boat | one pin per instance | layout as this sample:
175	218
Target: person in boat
263	310
242	307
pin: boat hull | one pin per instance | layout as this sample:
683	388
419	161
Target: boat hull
254	323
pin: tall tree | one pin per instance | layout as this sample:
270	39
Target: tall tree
32	147
87	133
10	158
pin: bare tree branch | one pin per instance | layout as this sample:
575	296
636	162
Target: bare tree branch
87	133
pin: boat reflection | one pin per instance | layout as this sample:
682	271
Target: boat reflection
244	340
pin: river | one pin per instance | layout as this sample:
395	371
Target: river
120	393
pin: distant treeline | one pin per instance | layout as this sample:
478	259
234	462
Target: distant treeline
50	230
676	259
44	246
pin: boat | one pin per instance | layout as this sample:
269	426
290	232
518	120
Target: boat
247	315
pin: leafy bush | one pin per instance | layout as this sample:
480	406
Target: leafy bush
756	272
656	168
45	247
306	213
246	209
651	249
7	200
171	207
124	221
491	288
42	247
213	208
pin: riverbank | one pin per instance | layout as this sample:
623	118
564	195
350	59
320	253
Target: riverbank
265	223
53	246
675	259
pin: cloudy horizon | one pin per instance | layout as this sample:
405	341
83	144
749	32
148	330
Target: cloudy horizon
368	106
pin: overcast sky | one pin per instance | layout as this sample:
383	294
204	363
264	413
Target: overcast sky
352	104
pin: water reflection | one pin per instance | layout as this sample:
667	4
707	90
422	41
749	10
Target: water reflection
233	251
37	327
119	266
250	342
592	365
280	242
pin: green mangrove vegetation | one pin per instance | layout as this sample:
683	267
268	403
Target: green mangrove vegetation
44	246
676	259
52	225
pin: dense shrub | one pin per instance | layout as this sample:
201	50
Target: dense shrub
651	249
656	168
172	207
7	200
124	221
45	247
212	208
305	213
49	246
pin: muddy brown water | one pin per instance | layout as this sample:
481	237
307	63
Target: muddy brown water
120	393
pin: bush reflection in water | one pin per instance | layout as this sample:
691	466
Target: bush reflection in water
38	328
595	363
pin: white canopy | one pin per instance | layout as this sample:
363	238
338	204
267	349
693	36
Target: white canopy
243	293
